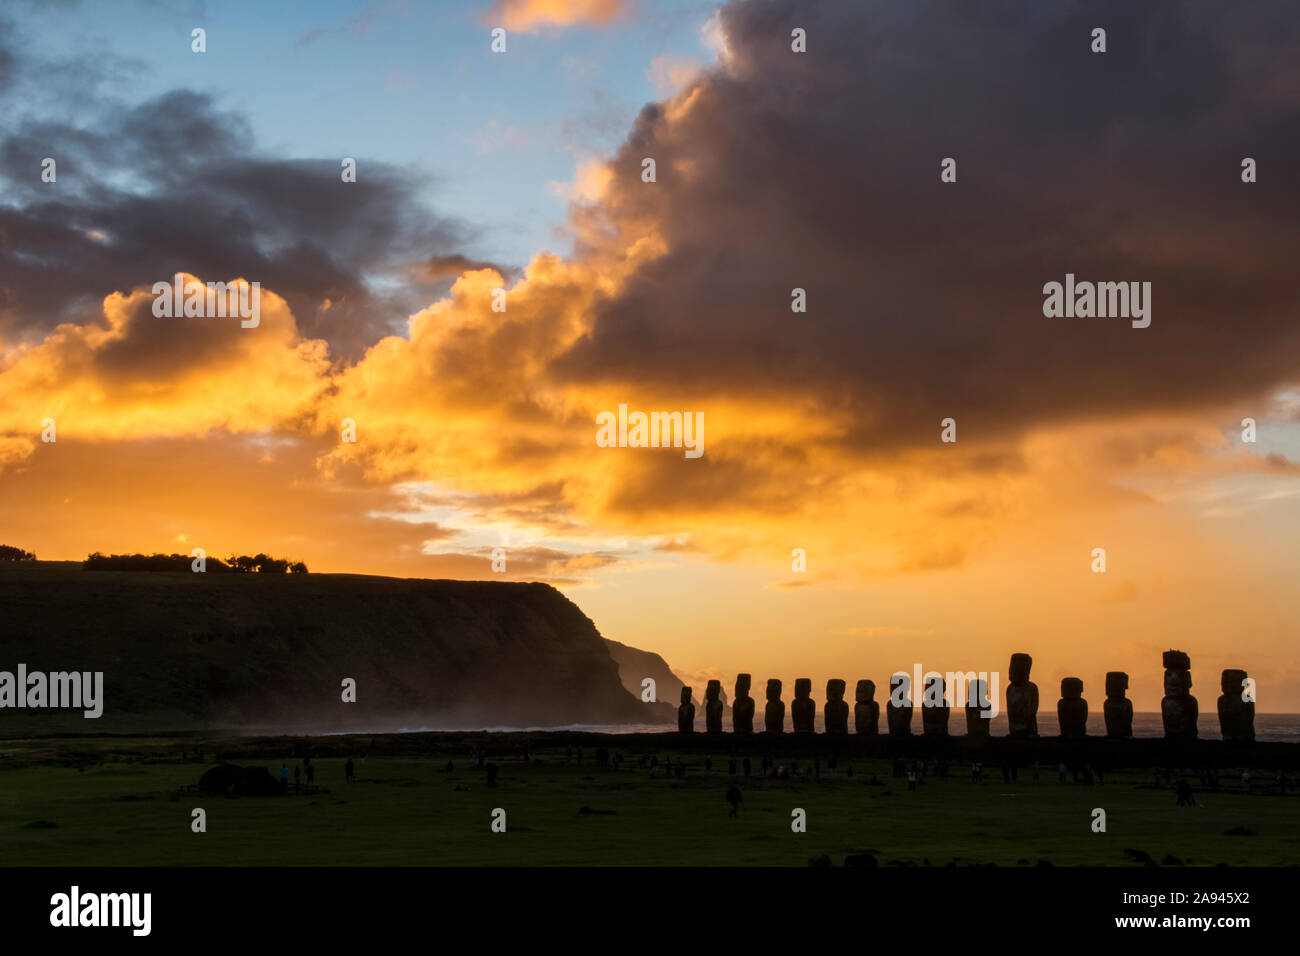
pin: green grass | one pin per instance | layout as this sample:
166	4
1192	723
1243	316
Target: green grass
403	810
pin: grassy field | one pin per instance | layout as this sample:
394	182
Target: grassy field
91	802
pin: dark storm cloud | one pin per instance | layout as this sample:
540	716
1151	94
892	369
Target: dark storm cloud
176	184
437	268
822	171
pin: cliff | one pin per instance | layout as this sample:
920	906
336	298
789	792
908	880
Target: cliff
260	651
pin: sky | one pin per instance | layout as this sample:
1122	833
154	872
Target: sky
522	171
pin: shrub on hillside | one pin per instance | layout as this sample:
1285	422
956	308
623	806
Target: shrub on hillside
260	563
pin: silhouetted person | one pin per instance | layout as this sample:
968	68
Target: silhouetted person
1184	793
733	798
311	774
297	777
731	766
284	776
492	775
350	771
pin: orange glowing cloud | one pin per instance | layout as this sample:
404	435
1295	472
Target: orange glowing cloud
527	16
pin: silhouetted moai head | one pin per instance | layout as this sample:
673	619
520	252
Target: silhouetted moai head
934	709
803	712
1022	698
1118	709
898	709
713	707
866	712
1072	709
742	707
686	713
774	715
979	708
1236	714
836	711
1178	707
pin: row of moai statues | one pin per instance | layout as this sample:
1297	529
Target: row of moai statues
1178	708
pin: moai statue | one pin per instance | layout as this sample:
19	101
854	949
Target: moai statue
1178	707
1236	715
774	716
1118	709
803	710
979	709
713	707
1022	698
686	713
898	712
934	709
836	710
742	707
866	712
1072	709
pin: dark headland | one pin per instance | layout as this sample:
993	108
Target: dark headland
269	652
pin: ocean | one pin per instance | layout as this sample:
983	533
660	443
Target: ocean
1283	727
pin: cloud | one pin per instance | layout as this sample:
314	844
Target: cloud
776	170
669	73
527	16
175	184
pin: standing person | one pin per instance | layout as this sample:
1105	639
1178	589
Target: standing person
297	777
911	780
1060	771
350	771
284	776
733	798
